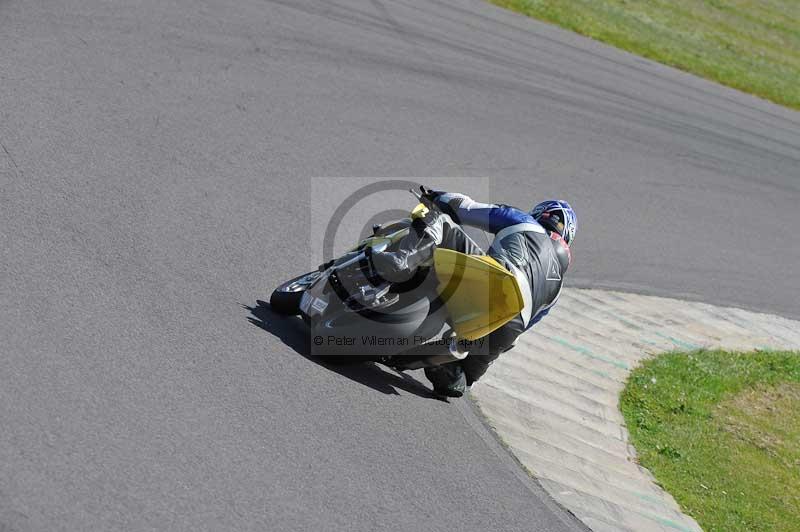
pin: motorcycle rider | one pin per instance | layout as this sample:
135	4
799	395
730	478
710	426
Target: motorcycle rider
533	246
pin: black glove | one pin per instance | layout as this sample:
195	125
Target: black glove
429	194
429	199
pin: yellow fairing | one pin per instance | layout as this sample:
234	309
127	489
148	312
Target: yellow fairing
479	293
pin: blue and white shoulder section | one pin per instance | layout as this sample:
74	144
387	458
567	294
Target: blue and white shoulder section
500	220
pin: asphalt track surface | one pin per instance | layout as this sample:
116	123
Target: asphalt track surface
154	182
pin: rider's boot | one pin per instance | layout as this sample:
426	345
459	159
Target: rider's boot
448	380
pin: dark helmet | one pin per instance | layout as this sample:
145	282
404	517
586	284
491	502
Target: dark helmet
558	216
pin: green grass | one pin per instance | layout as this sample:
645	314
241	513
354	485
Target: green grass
752	45
721	432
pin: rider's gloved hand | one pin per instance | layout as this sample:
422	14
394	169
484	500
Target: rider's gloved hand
430	199
429	194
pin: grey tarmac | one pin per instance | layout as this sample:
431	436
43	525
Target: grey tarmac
155	180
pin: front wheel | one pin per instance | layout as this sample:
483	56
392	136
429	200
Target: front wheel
286	298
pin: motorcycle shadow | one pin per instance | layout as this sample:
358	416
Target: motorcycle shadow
293	333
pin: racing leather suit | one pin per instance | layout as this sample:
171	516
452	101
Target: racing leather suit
537	258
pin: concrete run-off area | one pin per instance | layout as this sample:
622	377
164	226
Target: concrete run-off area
554	400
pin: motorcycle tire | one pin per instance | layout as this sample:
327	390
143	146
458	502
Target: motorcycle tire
286	298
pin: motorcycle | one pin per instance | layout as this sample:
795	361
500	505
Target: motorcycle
351	310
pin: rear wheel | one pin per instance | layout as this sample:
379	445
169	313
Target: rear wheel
286	298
